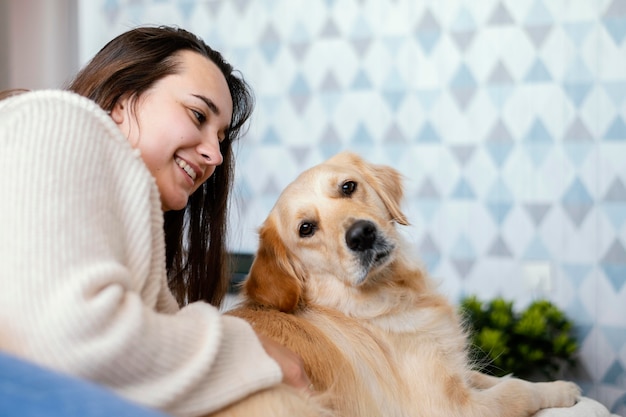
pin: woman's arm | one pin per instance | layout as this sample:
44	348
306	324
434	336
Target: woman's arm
83	267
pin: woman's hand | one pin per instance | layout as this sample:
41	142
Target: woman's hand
290	363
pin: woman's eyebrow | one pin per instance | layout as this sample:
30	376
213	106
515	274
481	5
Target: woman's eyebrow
210	104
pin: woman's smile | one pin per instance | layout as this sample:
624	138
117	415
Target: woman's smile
187	168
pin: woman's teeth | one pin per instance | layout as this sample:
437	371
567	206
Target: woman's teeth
185	166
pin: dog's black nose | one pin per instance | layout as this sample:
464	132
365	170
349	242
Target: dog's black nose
361	235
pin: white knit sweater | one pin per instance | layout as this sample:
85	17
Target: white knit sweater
83	286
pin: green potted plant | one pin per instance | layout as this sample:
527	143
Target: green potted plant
536	343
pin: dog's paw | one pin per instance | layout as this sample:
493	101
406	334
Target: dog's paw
563	393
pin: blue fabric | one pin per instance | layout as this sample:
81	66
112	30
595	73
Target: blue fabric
28	390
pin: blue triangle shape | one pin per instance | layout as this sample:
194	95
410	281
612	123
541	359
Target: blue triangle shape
536	250
539	15
538	73
394	98
616	213
499	152
463	78
577	91
615	273
464	21
578	72
577	152
463	190
576	194
428	98
428	39
616	26
428	134
578	31
616	336
428	207
499	211
616	91
463	249
576	273
614	374
361	136
271	137
538	133
617	130
361	81
500	94
299	86
186	7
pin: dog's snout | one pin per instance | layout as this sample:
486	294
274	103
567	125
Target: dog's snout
361	235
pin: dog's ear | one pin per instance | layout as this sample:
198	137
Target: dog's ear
273	281
387	182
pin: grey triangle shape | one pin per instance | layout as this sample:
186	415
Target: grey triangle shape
537	212
463	39
394	135
499	248
330	29
330	83
299	50
616	192
299	153
300	102
428	22
615	254
213	6
361	46
330	136
577	212
463	266
428	190
270	34
500	75
462	153
577	132
500	16
428	245
463	96
500	134
271	187
242	5
538	33
617	8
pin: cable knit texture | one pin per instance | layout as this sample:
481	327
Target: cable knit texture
82	251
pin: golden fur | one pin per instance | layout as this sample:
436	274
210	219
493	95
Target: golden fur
332	281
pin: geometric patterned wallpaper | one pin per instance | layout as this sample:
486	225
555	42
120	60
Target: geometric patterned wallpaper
507	118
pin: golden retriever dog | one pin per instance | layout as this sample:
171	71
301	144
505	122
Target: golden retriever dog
333	281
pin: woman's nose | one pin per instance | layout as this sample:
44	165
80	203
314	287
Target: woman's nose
210	151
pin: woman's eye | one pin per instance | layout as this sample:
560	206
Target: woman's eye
201	118
348	188
307	229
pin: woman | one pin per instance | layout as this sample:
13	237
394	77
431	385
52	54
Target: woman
94	189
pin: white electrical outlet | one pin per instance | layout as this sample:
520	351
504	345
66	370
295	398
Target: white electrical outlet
538	276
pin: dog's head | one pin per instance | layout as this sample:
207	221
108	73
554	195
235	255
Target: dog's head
334	226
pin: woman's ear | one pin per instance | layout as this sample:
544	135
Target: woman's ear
119	113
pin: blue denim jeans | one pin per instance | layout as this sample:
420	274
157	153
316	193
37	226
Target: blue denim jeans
28	390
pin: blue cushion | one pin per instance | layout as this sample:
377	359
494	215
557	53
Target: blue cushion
28	390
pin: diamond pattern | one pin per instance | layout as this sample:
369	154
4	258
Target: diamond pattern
508	120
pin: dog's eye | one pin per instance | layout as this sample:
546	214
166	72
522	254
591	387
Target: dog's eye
307	229
348	188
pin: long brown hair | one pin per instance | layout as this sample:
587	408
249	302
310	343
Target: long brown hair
195	237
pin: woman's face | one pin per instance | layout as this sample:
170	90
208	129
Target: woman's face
178	126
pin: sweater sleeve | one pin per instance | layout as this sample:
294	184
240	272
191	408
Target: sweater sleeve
83	270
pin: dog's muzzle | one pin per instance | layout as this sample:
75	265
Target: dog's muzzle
369	245
361	236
